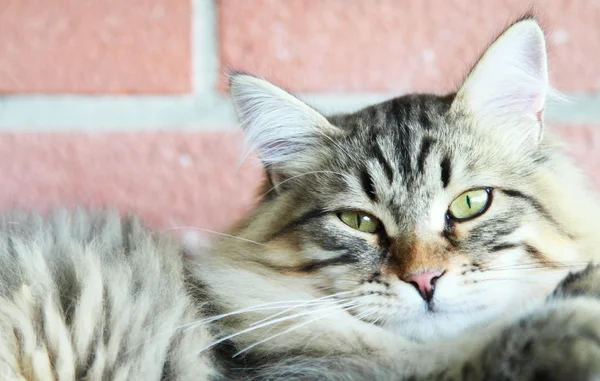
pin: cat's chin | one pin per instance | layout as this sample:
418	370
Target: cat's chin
434	325
426	323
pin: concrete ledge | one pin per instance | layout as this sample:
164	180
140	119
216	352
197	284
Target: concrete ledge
113	113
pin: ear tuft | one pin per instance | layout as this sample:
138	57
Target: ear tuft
278	125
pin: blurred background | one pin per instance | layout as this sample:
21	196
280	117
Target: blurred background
123	102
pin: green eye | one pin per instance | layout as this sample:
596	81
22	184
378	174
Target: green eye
360	221
470	204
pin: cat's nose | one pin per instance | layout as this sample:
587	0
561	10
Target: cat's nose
424	282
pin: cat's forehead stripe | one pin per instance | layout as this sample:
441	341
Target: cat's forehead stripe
446	171
387	168
426	144
368	184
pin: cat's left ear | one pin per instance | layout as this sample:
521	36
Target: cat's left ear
509	84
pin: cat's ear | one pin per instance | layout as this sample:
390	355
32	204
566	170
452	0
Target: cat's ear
280	127
509	83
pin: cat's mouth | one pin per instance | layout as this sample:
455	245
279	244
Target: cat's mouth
430	307
390	306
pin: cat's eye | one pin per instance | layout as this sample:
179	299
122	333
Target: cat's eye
470	204
360	221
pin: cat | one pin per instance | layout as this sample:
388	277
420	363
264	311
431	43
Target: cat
423	238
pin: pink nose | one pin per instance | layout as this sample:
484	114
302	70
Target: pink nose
424	282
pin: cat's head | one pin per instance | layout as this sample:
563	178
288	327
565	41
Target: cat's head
440	211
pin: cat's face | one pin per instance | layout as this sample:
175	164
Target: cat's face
432	213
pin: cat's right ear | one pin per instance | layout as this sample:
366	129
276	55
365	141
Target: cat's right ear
283	130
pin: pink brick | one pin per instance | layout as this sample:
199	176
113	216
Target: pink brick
396	45
172	179
95	46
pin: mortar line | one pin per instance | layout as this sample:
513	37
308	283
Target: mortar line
101	113
205	48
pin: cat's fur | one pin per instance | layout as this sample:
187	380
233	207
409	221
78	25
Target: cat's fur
96	297
295	293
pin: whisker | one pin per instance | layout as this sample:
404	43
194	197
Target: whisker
524	280
364	314
300	306
533	266
272	305
214	232
260	307
336	144
271	322
300	175
380	317
265	306
385	320
336	278
169	331
538	262
257	309
282	333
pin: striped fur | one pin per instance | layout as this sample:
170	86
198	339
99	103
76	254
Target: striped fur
404	161
295	293
97	297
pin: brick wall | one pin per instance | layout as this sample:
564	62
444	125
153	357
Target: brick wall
122	103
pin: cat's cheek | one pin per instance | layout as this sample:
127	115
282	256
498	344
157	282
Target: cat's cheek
461	230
